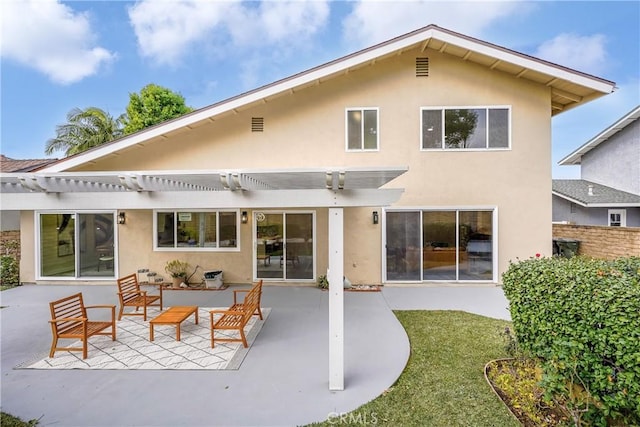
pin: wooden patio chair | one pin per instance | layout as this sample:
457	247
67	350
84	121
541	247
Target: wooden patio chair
130	295
238	306
69	320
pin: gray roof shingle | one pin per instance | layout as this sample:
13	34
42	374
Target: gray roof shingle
578	190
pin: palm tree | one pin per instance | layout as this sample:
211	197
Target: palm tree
84	129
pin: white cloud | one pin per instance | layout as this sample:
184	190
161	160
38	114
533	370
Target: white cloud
583	53
372	22
52	38
166	31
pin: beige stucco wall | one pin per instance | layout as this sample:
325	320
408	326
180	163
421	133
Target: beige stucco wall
135	237
306	128
28	248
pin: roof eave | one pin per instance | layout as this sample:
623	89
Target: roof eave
597	205
338	66
569	198
575	158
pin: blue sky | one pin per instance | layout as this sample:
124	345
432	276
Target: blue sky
60	55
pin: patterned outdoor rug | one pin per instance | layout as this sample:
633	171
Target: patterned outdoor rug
133	350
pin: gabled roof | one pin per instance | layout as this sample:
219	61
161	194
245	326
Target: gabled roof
22	165
576	157
568	87
592	195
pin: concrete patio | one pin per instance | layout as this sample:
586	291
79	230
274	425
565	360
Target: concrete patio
283	380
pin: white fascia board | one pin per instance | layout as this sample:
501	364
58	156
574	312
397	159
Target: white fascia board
525	61
572	200
201	199
613	205
575	157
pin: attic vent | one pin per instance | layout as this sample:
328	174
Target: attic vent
422	67
257	124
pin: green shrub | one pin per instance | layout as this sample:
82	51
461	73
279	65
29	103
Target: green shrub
582	318
9	271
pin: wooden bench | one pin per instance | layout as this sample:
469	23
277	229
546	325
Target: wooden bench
130	295
238	306
238	315
69	320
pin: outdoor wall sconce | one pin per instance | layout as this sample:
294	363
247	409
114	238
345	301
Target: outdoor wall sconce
244	218
375	217
121	218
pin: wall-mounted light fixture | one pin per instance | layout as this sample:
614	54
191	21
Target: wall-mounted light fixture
244	217
375	217
122	218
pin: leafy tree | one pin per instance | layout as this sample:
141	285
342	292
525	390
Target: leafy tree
459	125
154	104
84	129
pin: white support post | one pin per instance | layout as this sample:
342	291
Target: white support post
335	275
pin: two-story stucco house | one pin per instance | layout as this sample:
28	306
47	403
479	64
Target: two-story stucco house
426	158
608	192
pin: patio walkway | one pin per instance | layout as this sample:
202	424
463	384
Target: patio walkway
283	381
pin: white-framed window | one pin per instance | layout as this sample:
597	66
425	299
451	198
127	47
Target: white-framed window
206	230
362	130
465	128
617	217
76	245
440	244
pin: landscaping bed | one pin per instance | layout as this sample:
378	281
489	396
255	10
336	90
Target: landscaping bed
516	381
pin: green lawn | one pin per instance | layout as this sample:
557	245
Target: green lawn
443	383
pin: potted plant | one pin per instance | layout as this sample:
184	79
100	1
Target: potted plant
177	270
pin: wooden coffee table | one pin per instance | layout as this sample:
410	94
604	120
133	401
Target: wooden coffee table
173	316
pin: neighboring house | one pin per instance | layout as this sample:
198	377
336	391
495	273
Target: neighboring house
422	159
608	193
10	220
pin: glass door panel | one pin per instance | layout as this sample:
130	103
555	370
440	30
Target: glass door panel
440	248
269	245
403	245
95	241
57	245
284	246
77	245
298	254
476	248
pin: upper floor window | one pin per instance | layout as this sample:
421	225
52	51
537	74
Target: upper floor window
362	129
465	128
208	230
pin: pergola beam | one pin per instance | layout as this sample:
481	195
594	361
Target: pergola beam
200	199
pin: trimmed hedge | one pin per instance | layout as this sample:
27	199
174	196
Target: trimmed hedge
581	318
9	271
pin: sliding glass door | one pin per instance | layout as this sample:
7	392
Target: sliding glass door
77	245
284	246
445	245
